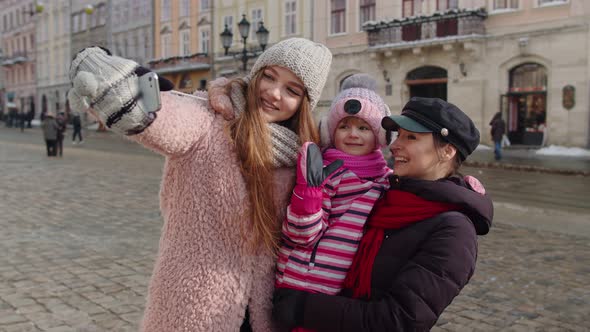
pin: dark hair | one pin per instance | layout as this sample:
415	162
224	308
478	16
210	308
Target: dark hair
439	143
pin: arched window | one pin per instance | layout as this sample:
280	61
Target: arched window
428	81
528	77
186	82
426	72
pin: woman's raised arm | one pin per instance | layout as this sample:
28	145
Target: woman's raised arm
109	86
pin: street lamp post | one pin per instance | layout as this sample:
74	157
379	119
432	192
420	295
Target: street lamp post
226	39
38	9
244	28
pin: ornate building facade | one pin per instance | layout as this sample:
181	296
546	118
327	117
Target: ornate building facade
54	56
19	54
529	60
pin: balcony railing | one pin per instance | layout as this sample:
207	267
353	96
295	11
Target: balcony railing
15	58
451	23
197	61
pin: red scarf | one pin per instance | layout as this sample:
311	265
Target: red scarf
397	209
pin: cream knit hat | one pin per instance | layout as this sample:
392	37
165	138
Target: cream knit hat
308	60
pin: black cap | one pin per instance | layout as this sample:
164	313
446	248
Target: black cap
424	115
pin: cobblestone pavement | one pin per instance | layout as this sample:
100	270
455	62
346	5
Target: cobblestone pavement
79	236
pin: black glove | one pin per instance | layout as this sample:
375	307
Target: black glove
288	308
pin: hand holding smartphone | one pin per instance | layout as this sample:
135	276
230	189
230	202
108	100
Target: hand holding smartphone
150	92
149	89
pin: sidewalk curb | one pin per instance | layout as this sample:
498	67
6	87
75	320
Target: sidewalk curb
526	168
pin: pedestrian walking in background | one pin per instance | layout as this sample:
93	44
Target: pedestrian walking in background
12	114
225	185
50	130
31	115
419	248
77	124
498	130
21	120
61	129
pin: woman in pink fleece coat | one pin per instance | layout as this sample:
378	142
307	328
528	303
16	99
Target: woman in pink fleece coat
225	184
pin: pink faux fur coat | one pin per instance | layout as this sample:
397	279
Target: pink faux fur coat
204	278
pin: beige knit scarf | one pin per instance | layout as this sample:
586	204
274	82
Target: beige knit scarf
285	142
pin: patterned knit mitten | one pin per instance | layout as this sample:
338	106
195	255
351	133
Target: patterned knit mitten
109	86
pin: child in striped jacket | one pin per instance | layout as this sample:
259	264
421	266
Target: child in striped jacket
330	205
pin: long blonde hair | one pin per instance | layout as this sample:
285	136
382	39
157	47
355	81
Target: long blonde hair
251	139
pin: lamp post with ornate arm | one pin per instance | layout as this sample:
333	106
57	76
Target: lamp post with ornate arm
244	29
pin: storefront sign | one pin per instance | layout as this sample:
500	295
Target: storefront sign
569	97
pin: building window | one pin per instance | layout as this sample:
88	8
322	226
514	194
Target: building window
551	2
411	8
165	10
185	42
505	4
205	5
229	21
102	14
185	8
255	23
56	21
366	12
337	16
290	17
443	5
166	39
56	101
186	82
204	41
146	42
135	8
83	24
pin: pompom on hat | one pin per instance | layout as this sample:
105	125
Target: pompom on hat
434	115
308	60
359	99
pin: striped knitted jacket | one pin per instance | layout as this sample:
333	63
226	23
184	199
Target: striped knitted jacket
317	250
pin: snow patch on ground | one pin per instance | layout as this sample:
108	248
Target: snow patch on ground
555	150
483	147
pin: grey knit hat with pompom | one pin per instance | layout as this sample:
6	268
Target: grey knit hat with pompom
308	60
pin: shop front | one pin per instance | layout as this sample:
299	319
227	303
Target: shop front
524	106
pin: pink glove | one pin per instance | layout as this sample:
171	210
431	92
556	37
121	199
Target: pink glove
475	184
311	178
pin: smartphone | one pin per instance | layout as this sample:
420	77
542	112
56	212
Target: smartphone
150	92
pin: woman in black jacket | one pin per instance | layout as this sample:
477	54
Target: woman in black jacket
420	245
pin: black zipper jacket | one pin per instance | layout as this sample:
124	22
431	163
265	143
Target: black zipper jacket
418	270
